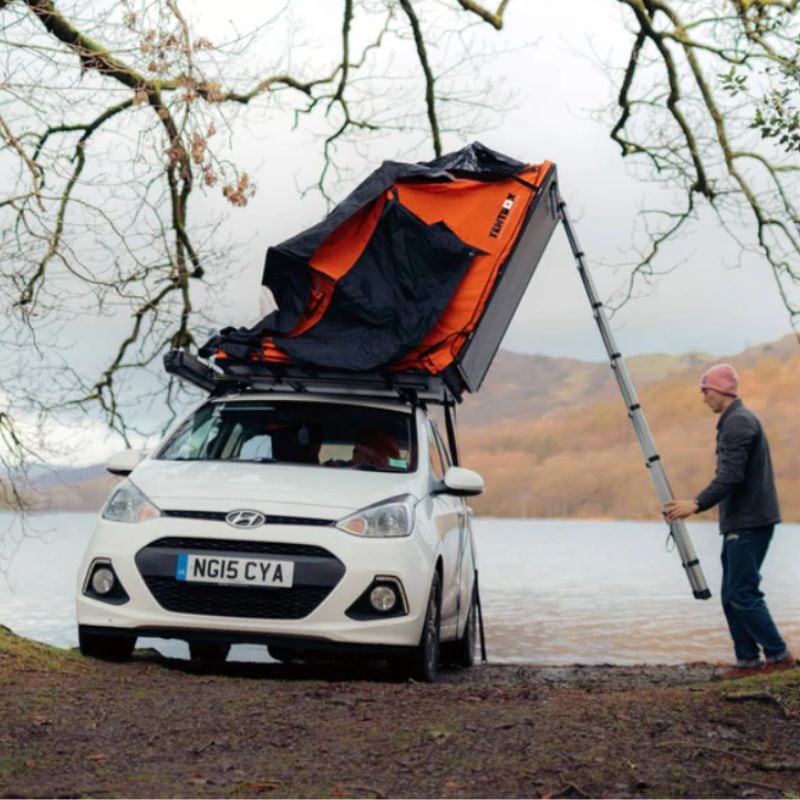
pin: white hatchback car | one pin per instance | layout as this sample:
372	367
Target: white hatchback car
304	522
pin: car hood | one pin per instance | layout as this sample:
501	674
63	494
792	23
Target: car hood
270	488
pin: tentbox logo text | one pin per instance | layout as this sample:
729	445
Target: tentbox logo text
505	210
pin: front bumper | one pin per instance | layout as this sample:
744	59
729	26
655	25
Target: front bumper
296	644
143	562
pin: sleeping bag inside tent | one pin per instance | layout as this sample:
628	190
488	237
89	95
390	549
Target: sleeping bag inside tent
418	270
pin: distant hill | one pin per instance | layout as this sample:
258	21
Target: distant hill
552	439
49	477
579	457
521	387
70	488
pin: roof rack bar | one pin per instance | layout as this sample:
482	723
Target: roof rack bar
230	376
184	365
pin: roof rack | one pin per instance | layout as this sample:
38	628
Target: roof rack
229	376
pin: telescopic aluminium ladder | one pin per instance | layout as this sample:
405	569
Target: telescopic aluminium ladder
678	531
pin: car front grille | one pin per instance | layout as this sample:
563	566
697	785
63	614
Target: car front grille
269	519
241	547
236	601
316	572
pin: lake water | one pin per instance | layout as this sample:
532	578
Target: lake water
553	591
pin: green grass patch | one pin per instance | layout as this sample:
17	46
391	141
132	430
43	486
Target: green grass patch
10	764
29	758
17	650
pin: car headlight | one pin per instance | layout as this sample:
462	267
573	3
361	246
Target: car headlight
128	504
393	517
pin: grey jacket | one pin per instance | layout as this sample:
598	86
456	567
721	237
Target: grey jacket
744	485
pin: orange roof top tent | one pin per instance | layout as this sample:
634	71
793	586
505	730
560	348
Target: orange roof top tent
418	271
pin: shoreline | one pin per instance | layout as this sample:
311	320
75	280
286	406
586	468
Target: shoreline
697	668
157	727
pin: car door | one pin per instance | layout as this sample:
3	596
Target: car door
448	518
465	565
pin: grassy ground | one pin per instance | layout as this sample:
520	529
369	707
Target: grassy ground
151	727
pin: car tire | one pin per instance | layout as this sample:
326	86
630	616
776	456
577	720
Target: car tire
423	662
461	652
106	647
208	651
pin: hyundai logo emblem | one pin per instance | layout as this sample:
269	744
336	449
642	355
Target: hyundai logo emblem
242	518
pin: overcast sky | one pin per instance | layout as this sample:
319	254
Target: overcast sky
706	304
703	305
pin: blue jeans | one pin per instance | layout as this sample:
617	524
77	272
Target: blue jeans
748	617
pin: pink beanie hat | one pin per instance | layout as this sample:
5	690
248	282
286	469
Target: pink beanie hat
722	378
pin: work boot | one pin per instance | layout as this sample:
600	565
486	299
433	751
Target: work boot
784	662
742	669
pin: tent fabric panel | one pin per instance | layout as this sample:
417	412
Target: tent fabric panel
478	159
476	211
475	358
343	247
390	298
306	242
470	208
474	158
319	298
270	352
290	280
335	256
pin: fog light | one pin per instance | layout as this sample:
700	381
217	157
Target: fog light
383	598
103	580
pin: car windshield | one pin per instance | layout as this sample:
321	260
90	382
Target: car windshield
283	432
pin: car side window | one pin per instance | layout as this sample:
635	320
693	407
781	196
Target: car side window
438	465
192	438
257	448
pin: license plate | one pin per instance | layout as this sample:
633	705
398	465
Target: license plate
235	570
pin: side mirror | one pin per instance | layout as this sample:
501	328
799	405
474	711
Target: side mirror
124	462
461	482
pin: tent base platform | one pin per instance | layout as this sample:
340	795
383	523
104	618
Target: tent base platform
237	376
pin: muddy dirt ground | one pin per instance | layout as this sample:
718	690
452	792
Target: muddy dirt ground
153	727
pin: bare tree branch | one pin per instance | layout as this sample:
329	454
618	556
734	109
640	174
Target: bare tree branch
495	19
116	117
430	95
699	136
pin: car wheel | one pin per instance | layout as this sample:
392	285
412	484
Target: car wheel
423	663
208	651
107	647
462	650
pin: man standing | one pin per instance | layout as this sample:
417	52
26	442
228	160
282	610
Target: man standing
744	487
